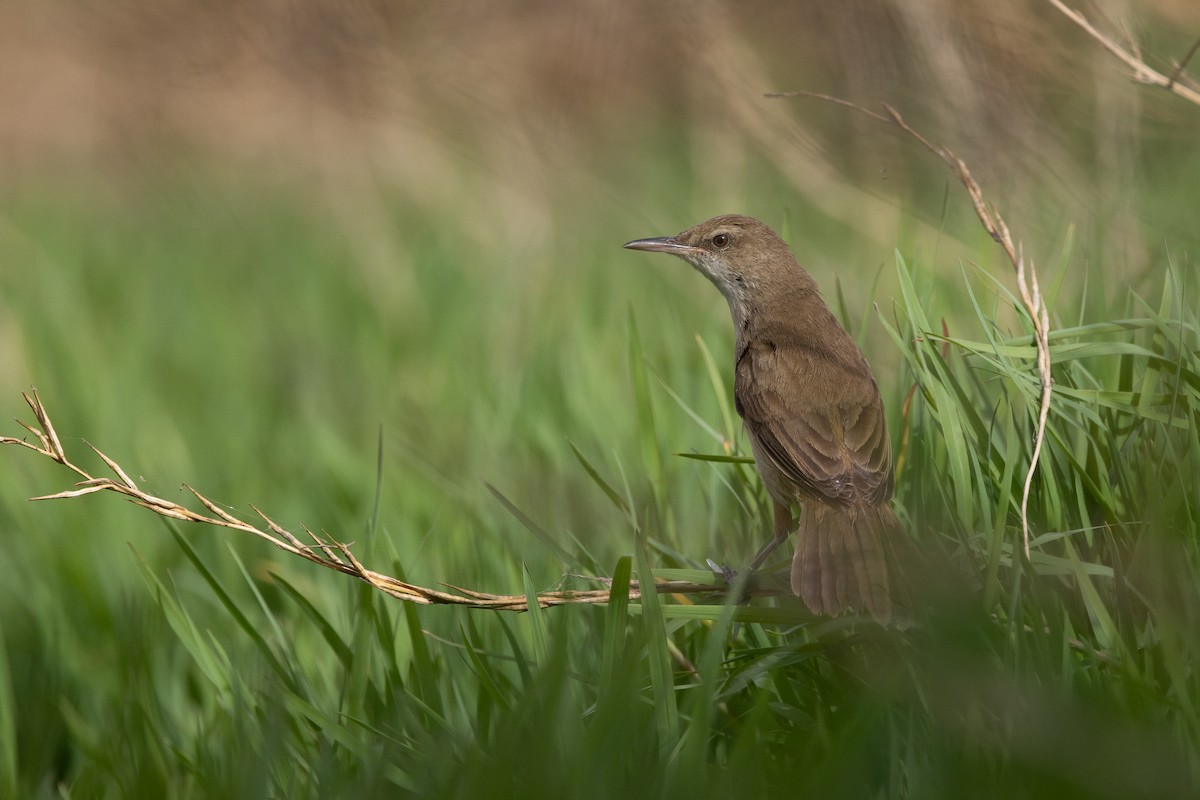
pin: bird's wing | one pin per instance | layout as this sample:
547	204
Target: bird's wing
818	416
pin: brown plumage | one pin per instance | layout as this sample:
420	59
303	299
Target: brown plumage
813	414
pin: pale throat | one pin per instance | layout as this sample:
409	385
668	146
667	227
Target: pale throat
735	289
737	292
738	309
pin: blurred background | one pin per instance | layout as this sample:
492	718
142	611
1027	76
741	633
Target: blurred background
525	120
244	244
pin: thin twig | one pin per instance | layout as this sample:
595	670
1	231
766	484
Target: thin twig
1027	282
322	553
1142	72
1191	53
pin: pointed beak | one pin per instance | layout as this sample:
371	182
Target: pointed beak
662	244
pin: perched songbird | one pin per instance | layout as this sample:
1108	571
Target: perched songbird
813	415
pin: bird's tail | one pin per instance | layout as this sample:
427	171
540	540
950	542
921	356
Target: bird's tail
848	557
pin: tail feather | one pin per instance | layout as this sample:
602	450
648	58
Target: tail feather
828	547
845	580
806	571
842	560
863	563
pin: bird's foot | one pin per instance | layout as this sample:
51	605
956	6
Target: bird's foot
727	573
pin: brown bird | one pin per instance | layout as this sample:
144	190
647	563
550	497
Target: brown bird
812	410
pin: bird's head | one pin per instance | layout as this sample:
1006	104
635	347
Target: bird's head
742	256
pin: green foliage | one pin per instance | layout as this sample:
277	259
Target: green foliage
522	445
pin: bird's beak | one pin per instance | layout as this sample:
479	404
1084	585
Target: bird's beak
662	244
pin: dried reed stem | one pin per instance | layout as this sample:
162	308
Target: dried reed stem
330	554
1142	72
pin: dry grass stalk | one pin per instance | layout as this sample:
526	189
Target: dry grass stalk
329	554
1177	82
1027	282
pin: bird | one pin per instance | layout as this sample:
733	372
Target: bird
813	415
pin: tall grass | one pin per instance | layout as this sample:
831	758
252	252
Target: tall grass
258	360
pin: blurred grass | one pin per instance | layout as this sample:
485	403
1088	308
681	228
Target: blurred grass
240	334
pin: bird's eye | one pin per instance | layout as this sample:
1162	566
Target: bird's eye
721	240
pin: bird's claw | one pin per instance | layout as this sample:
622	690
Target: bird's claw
729	575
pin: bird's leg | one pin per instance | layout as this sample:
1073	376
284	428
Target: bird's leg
783	529
728	574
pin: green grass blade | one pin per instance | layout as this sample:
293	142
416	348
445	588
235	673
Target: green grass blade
537	619
8	725
647	430
328	632
717	459
662	682
717	380
609	492
616	621
198	646
546	539
233	608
